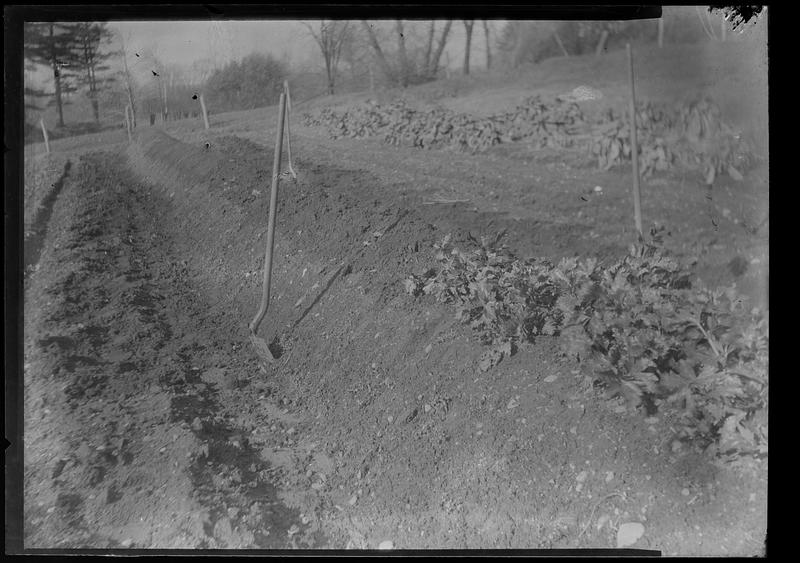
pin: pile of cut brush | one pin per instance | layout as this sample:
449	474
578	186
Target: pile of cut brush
543	124
691	134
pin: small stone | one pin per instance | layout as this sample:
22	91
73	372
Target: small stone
127	542
609	476
512	404
651	419
629	533
685	492
387	544
582	476
353	500
428	348
598	189
427	408
550	378
390	418
293	530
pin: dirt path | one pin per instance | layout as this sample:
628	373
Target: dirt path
149	422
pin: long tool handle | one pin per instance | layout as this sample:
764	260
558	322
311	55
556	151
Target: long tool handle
637	205
273	204
288	132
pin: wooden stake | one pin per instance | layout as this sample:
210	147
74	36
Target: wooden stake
637	206
44	132
128	123
205	113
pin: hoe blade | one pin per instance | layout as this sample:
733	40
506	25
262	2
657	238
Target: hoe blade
262	349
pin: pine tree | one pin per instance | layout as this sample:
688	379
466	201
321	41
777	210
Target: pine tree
50	44
89	56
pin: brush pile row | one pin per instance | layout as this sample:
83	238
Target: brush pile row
691	134
546	125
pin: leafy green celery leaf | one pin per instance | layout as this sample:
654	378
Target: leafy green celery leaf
549	328
708	375
671	382
632	393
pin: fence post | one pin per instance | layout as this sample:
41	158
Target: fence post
44	132
203	107
128	123
637	206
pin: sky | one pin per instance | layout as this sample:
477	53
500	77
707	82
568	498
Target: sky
184	42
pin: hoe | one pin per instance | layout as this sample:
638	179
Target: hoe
260	345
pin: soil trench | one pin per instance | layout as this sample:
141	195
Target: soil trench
126	376
35	237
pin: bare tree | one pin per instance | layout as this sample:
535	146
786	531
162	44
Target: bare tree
433	66
127	78
557	37
330	37
429	46
468	27
488	45
401	51
384	64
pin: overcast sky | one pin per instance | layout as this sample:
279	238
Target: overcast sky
184	42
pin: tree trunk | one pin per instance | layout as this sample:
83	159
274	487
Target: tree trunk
329	73
401	50
128	85
560	44
488	45
660	32
426	62
56	78
468	27
433	68
387	70
601	44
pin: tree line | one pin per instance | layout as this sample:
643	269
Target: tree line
88	58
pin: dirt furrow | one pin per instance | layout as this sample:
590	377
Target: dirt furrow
126	442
